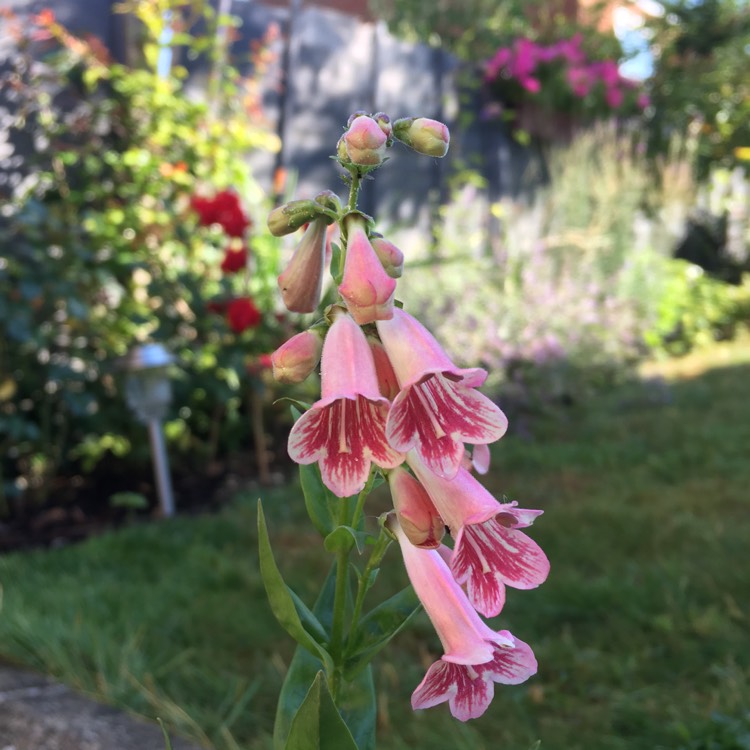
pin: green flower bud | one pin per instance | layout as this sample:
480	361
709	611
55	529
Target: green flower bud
428	137
291	216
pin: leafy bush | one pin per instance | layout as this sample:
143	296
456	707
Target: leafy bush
107	243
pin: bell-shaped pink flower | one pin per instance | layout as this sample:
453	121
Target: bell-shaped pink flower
296	358
366	288
415	511
489	552
344	432
437	410
301	282
475	656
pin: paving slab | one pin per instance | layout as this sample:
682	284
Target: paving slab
37	713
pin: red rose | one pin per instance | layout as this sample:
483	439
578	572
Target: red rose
229	213
224	209
204	207
234	260
242	314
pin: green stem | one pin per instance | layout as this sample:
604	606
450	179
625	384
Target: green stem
361	499
354	188
339	607
375	558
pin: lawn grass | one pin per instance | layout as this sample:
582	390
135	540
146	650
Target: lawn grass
642	631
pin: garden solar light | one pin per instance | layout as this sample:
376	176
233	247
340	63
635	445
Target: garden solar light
148	393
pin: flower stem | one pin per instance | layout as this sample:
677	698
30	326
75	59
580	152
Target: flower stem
381	545
339	607
354	188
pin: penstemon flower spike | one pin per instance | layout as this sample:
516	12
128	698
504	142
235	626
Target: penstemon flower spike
393	407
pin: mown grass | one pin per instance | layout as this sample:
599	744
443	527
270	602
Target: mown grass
642	631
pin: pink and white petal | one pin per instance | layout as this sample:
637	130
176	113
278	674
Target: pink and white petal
370	423
488	553
511	666
521	517
467	693
438	415
308	436
480	458
438	686
345	474
486	592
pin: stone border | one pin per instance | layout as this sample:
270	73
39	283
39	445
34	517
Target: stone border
37	713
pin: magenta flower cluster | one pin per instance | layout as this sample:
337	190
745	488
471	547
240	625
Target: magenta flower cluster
561	75
391	397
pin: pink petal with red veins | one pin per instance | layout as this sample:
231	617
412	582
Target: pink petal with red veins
345	437
488	555
414	352
468	694
511	666
438	415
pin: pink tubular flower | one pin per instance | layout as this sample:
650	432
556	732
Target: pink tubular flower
475	656
437	410
489	552
345	430
366	287
301	282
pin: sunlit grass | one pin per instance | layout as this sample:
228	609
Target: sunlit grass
641	631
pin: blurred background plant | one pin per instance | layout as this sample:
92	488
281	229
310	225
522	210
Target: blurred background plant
564	293
128	226
700	82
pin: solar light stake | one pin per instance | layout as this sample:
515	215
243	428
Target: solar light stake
149	393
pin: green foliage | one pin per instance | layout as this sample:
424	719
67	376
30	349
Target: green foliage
700	81
102	249
692	309
317	723
640	633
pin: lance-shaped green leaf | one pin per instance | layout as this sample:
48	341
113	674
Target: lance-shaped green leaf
318	499
357	702
280	598
318	724
345	537
377	628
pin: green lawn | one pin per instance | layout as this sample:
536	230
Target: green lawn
642	631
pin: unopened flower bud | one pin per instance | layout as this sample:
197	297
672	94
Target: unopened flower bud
301	281
417	515
366	287
365	142
390	256
354	115
295	359
291	216
428	137
382	119
328	199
